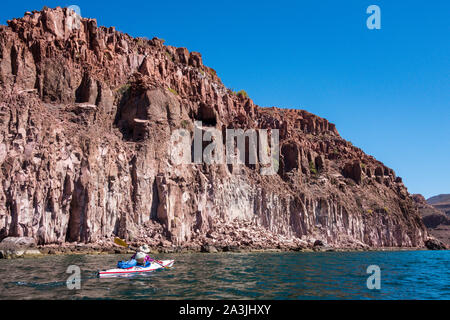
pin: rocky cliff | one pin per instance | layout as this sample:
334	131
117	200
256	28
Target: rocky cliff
86	118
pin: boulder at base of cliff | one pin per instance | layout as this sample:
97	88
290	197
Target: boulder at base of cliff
21	242
319	243
435	244
12	248
206	248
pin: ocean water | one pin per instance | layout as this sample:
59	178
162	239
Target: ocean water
286	276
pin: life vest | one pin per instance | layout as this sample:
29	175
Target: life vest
131	263
126	264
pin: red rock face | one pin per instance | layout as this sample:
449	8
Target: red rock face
86	118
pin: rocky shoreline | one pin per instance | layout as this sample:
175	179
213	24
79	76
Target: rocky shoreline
81	250
25	248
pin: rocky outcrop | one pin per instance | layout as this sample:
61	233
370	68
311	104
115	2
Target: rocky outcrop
87	115
435	244
353	171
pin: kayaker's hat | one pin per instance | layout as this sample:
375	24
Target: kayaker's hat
140	256
144	249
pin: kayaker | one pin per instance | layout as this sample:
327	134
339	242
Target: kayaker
141	255
140	258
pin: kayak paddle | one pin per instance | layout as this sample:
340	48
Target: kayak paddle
121	242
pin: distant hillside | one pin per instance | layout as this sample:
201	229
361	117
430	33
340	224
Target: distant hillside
441	202
437	222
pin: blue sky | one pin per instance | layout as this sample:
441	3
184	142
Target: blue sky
387	91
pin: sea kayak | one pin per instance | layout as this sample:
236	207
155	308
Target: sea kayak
136	269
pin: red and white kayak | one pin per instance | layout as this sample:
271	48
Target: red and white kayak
136	269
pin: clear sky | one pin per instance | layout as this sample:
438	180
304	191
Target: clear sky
387	91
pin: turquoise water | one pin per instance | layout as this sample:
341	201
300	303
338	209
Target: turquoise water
331	275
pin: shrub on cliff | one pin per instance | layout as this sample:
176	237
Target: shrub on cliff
121	91
212	72
312	167
242	93
173	91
